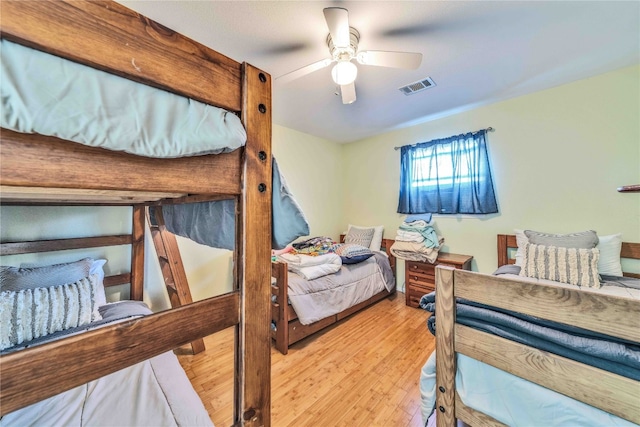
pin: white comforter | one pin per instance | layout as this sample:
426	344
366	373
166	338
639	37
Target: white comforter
312	267
152	393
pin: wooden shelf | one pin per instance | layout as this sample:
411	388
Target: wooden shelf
629	188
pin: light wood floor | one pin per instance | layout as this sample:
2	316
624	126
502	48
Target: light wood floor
362	372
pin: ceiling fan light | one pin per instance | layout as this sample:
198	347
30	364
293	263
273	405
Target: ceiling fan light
344	73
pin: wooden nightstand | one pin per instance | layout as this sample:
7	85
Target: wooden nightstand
420	277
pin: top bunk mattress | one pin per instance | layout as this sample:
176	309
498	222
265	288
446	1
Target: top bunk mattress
49	95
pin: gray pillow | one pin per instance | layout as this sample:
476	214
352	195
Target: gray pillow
17	279
581	240
360	236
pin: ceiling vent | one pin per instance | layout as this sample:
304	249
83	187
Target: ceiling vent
418	86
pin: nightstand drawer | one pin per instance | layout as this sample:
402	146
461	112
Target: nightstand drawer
415	292
420	277
421	268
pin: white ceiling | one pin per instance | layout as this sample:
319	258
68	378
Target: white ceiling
477	52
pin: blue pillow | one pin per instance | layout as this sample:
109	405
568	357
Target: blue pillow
356	259
352	253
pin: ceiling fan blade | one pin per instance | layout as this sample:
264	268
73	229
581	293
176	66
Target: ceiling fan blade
338	22
348	93
307	69
406	60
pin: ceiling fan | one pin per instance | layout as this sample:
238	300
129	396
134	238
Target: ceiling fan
343	48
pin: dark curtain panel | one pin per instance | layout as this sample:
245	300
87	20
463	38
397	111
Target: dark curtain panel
447	176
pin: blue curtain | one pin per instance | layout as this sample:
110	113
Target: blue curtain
447	176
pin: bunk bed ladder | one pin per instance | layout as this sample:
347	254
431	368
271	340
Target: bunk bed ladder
175	278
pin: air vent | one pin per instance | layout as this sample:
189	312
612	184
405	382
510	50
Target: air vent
418	86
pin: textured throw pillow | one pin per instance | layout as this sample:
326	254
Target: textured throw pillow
376	240
360	236
35	312
610	247
16	279
584	239
576	266
351	253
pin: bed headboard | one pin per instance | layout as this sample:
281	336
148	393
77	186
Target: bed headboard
507	246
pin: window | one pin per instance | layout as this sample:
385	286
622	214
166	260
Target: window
447	176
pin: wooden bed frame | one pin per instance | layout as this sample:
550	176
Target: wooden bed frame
613	316
288	328
38	170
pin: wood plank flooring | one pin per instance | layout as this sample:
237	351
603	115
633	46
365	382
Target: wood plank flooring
363	371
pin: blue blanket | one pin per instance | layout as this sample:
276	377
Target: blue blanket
615	355
213	223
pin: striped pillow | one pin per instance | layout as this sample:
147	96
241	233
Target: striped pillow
33	313
576	266
360	236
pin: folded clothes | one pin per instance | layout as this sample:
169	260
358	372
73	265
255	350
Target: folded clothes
409	236
415	251
312	267
427	231
419	224
418	217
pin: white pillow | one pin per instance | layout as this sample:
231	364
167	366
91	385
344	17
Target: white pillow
610	247
376	241
96	268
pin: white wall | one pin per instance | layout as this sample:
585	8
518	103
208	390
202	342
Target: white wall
557	157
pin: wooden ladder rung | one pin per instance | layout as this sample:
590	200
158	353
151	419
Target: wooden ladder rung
175	278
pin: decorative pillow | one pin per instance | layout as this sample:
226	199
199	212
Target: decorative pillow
610	247
584	239
351	253
360	236
35	312
376	240
16	279
576	266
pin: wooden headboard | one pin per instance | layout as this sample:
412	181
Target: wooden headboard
507	245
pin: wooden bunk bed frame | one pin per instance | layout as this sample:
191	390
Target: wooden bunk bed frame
613	316
288	329
37	170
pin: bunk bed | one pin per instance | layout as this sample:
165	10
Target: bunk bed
286	326
485	379
43	169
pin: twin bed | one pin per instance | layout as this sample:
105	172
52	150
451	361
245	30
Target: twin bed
483	378
102	160
302	307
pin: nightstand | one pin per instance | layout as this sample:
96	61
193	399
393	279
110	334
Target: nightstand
420	277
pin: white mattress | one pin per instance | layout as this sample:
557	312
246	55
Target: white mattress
510	399
153	393
617	291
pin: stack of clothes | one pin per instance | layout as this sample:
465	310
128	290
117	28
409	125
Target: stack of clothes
416	239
